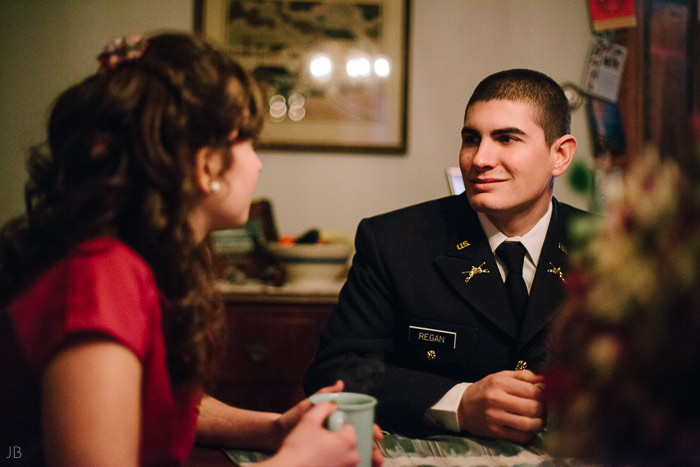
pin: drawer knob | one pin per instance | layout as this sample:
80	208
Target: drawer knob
257	352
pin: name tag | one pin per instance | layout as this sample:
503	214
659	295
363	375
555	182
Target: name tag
432	336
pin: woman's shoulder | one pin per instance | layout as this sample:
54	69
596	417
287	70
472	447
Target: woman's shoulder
104	247
100	285
107	255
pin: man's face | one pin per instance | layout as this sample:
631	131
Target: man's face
506	165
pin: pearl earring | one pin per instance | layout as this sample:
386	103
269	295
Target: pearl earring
215	186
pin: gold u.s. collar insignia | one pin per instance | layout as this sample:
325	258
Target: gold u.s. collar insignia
463	245
474	271
563	248
556	271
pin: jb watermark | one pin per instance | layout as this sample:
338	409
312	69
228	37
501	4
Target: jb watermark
15	452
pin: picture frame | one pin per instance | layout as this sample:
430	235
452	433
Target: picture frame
333	72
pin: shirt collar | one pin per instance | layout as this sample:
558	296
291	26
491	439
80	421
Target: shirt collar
532	241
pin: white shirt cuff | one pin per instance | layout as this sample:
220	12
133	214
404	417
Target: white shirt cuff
444	413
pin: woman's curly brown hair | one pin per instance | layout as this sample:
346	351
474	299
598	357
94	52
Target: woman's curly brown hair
119	162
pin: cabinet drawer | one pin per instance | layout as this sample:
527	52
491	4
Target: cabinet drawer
271	343
268	348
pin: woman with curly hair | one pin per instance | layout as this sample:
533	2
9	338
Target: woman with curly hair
109	323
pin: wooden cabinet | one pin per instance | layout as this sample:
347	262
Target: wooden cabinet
271	341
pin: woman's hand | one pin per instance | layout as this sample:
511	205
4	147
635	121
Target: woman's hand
288	420
310	444
377	456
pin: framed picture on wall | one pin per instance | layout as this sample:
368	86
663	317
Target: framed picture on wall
333	72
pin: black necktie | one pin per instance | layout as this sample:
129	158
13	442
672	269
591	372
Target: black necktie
513	254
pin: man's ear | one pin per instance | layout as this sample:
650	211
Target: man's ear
207	168
563	148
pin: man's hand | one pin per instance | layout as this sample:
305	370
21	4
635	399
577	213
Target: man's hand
506	405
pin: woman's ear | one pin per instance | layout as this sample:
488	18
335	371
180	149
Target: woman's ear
564	148
207	167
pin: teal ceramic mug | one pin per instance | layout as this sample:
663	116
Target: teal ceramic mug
354	409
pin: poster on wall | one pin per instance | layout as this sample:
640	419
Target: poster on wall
603	71
612	14
606	127
333	72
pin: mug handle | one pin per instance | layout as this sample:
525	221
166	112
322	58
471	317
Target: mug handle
335	420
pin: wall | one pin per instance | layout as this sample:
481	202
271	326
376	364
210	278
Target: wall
45	46
453	45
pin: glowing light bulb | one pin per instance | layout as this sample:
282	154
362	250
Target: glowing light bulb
382	67
358	67
321	67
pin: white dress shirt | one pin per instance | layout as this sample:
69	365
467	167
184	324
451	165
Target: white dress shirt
444	413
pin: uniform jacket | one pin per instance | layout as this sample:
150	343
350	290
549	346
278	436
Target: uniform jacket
424	307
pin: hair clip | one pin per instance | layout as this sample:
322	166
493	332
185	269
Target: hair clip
120	49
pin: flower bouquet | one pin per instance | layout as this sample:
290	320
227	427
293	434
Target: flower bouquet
624	383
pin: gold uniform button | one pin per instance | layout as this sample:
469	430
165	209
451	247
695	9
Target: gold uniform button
431	355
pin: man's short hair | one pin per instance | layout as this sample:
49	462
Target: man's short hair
547	97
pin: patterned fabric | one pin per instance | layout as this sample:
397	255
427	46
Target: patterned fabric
446	451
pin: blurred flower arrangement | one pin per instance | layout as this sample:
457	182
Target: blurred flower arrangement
624	386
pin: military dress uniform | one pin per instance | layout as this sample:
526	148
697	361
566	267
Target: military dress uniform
424	308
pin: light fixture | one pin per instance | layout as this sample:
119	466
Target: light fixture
321	67
358	67
382	67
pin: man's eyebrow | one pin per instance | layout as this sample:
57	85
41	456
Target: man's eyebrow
508	131
467	130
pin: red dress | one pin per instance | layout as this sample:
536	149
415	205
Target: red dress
102	287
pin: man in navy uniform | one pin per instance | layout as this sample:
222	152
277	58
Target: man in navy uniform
448	302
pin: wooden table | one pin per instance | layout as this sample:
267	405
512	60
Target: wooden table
208	456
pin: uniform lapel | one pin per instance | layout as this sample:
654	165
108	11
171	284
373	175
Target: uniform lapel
468	265
548	286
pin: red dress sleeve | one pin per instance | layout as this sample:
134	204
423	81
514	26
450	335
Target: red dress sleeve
104	287
100	287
